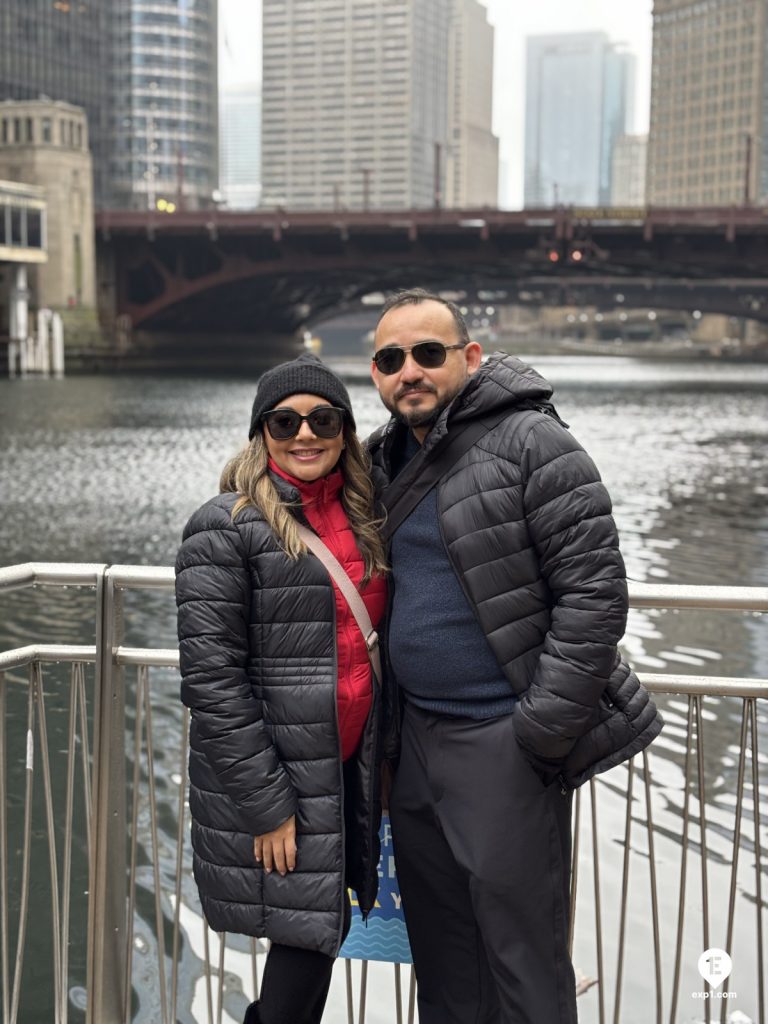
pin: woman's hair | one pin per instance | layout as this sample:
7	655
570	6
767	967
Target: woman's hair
247	474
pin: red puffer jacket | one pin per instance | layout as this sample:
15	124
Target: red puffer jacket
325	513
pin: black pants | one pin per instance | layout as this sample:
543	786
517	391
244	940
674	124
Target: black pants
295	984
482	851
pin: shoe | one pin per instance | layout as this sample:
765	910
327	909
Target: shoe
252	1014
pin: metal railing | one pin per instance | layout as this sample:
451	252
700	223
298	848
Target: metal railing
123	829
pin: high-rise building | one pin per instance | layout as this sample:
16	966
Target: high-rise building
61	51
708	139
472	177
240	149
145	71
355	108
630	155
164	103
579	92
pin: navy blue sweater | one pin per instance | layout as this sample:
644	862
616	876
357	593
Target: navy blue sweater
438	652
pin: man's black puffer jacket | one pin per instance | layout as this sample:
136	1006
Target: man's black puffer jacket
527	525
257	641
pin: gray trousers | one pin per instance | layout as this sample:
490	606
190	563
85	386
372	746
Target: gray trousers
482	851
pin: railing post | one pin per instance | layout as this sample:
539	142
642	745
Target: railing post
107	981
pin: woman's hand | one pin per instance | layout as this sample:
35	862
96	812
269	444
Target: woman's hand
277	848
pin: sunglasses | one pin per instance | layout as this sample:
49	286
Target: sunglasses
324	421
429	354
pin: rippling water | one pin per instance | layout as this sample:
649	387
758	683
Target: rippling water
105	469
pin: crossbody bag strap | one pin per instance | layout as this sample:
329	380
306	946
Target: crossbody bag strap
425	469
349	592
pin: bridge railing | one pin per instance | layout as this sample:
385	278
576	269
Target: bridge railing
124	938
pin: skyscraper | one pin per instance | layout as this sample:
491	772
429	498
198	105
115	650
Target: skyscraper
61	51
241	146
145	71
355	102
708	139
579	90
472	177
164	103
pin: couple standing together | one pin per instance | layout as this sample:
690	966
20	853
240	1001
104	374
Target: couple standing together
479	537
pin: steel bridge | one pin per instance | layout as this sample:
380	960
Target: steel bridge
275	271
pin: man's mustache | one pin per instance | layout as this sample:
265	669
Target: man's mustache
421	386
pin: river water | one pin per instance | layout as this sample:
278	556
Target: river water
107	469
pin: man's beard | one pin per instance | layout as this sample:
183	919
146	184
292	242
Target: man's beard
420	417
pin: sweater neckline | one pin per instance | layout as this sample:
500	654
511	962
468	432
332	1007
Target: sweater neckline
314	492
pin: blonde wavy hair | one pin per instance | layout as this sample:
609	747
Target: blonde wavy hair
247	474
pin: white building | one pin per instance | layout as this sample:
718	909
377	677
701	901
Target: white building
240	148
472	177
630	155
358	107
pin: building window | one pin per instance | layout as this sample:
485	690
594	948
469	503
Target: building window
47	129
29	135
34	229
16	232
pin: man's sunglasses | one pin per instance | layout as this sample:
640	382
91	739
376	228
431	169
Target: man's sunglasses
324	421
429	354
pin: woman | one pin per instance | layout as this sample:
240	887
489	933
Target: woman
283	742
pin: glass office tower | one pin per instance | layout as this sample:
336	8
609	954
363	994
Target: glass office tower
61	49
164	104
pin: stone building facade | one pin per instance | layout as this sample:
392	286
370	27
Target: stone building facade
45	143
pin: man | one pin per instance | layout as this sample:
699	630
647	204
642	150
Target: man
508	600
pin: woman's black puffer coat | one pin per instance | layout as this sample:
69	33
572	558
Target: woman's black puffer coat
527	526
257	641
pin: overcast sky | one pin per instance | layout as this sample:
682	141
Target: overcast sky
627	21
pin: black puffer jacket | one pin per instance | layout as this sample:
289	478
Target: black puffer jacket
257	640
527	525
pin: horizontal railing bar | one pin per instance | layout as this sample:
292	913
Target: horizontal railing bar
21	656
712	686
61	574
150	577
670	595
642	595
152	657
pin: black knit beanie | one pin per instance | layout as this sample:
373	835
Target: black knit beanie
305	375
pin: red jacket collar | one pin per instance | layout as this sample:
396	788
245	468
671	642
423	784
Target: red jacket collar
320	491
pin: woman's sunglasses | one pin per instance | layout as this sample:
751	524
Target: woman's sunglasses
324	421
429	354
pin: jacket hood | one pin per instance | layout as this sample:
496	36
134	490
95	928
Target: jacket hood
502	382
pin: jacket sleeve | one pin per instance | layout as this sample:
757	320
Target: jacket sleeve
213	595
568	512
